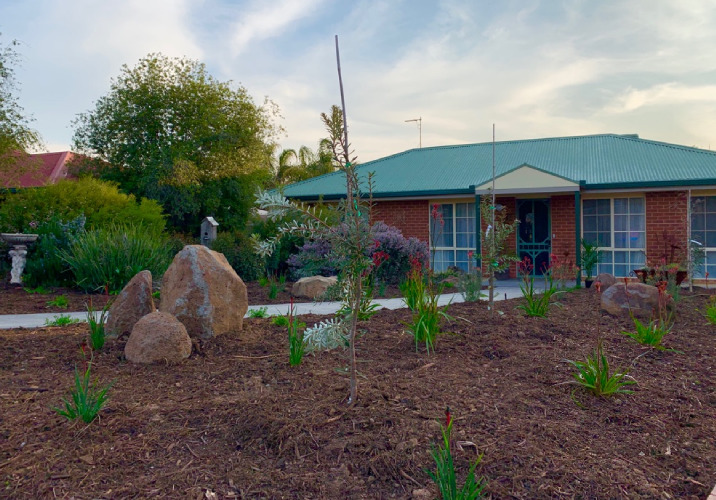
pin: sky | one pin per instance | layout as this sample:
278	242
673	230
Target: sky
532	68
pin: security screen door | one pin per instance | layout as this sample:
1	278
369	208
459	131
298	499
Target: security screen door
534	233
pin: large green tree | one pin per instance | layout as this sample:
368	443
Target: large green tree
16	135
168	130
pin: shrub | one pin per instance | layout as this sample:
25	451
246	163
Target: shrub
45	267
100	202
111	257
239	251
317	257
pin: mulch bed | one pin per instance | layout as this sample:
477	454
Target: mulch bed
236	421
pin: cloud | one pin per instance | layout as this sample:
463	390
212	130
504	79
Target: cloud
269	20
666	94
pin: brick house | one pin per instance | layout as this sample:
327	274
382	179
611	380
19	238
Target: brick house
641	201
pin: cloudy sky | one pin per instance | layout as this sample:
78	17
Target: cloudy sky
534	68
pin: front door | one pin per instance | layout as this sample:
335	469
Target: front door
534	233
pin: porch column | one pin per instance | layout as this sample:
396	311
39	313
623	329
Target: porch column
578	235
478	230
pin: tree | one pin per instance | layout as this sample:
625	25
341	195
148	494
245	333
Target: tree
168	130
350	240
16	136
292	166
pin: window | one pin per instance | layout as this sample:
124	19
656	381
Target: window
703	231
455	237
618	227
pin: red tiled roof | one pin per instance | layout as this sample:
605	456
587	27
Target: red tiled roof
43	168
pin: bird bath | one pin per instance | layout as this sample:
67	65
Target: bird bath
19	242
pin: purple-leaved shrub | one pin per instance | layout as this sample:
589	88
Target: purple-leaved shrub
316	257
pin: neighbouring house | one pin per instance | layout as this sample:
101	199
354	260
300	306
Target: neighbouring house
641	201
35	170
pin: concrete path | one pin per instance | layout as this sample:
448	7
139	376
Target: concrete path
508	289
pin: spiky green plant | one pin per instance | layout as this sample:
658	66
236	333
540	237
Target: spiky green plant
594	375
86	398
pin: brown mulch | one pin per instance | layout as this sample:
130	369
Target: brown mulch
236	421
18	300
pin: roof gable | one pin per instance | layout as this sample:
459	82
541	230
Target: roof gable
528	179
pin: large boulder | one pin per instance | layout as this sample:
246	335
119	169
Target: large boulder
313	287
158	337
606	280
204	292
642	300
134	301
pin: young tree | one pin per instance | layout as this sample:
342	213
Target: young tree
495	256
16	136
350	240
167	128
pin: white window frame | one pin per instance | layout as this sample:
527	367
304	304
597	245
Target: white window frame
440	264
632	263
710	251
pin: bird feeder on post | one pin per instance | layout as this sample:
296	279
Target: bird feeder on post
208	231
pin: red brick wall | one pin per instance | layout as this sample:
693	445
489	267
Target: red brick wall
412	217
563	228
666	226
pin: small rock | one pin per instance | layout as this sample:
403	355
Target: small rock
158	337
313	287
422	494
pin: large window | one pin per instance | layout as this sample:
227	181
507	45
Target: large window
703	232
618	227
454	237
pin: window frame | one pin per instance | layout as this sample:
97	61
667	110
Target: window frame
709	251
440	265
631	263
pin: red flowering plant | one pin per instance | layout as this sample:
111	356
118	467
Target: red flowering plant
445	476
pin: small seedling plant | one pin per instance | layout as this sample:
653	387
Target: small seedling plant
86	398
60	301
594	373
444	475
652	333
97	333
296	343
536	304
710	313
261	312
61	320
470	283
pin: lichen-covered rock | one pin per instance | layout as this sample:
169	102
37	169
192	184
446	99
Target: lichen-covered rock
313	287
203	291
642	300
158	337
133	302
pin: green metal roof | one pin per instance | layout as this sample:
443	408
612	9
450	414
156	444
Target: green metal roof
596	161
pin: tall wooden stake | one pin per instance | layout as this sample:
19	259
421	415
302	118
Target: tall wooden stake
492	230
351	211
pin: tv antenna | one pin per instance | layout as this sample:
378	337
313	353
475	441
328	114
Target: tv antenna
419	120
